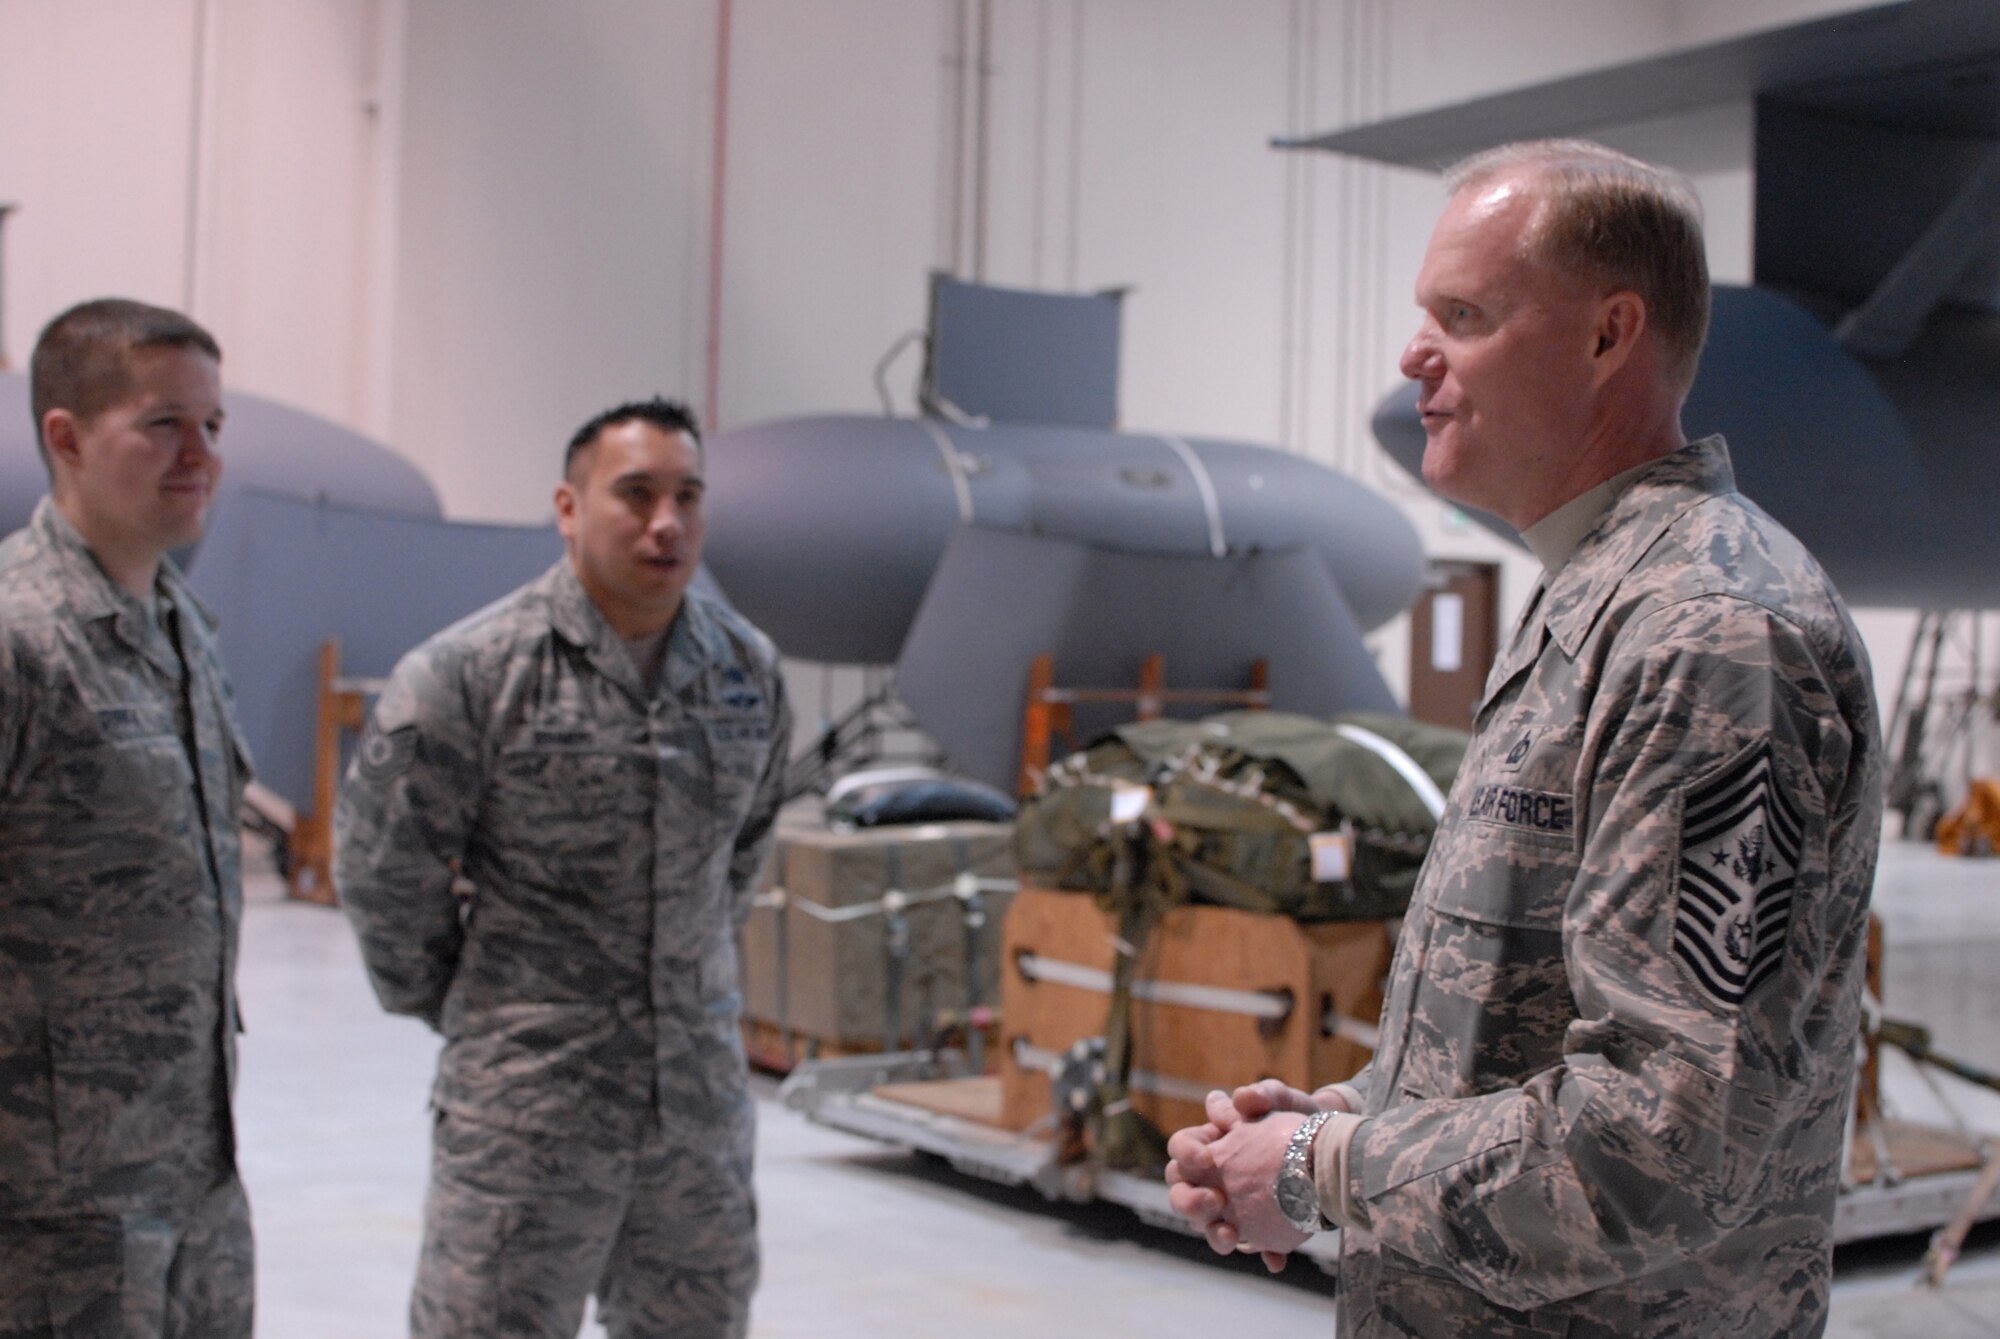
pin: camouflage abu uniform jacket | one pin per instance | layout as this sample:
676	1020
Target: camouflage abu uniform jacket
1618	1045
121	889
611	839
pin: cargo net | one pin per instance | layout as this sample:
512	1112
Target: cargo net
1261	810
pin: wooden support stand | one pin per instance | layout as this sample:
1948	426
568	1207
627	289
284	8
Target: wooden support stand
1048	711
342	705
1331	974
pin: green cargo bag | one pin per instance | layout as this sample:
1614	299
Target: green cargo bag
1263	810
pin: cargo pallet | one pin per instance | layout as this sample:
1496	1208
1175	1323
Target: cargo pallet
925	1102
1225	997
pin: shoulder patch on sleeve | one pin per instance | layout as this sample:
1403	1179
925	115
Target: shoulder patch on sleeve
385	755
1740	844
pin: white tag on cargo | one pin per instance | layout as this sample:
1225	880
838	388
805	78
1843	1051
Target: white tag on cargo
1332	856
1128	803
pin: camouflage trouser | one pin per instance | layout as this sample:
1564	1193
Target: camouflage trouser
520	1228
164	1275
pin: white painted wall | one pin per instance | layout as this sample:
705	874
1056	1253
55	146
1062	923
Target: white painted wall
206	154
552	230
96	122
464	225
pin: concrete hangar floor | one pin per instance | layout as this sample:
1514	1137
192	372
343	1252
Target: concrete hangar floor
862	1241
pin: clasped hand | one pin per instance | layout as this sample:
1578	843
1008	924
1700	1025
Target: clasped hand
1222	1175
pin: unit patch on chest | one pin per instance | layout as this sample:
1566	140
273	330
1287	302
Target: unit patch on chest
1740	843
738	692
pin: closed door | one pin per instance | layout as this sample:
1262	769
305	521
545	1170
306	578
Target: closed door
1454	635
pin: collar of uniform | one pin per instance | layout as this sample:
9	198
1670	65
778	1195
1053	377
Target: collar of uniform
175	584
696	643
94	595
1659	494
577	619
1555	537
1523	645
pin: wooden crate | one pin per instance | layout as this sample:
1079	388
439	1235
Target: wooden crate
835	997
1334	973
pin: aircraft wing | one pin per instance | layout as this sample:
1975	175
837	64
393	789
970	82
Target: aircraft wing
1912	63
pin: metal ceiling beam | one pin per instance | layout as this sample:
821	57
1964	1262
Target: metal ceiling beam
1969	227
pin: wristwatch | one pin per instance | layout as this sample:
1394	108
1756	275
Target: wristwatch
1297	1194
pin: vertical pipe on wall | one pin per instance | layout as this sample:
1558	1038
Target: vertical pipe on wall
1357	373
1346	257
1308	230
712	348
1380	328
201	122
982	152
385	101
1075	142
955	65
1379	64
1295	374
1039	185
1289	241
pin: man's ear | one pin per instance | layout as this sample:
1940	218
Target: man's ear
60	438
1621	320
565	508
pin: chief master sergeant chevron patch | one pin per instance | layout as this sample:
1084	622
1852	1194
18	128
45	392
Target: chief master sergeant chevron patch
1740	840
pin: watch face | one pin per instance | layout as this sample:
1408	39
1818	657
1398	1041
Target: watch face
1298	1199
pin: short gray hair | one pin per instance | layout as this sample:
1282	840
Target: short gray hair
1618	221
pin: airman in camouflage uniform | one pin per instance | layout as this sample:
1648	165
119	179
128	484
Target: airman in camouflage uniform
1618	1046
599	755
121	774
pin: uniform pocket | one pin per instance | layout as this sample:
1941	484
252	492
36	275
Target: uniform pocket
1412	1300
567	783
132	1086
62	1278
738	750
27	1096
557	1068
568	815
1493	1002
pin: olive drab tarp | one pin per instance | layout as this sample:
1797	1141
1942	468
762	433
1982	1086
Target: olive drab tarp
1260	810
1263	810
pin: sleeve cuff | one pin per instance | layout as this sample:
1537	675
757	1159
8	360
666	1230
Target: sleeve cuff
1330	1173
1350	1097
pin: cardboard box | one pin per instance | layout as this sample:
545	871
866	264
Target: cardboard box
829	981
1330	974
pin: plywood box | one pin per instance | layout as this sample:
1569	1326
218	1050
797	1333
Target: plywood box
1332	975
830	981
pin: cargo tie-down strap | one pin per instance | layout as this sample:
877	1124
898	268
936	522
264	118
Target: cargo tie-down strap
967	888
1267	1004
895	900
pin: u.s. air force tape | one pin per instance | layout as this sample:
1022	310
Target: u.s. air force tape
384	756
1515	807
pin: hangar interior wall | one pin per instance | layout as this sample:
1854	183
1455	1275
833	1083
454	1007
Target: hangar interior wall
464	225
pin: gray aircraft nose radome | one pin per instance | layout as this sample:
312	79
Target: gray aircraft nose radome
826	531
959	552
